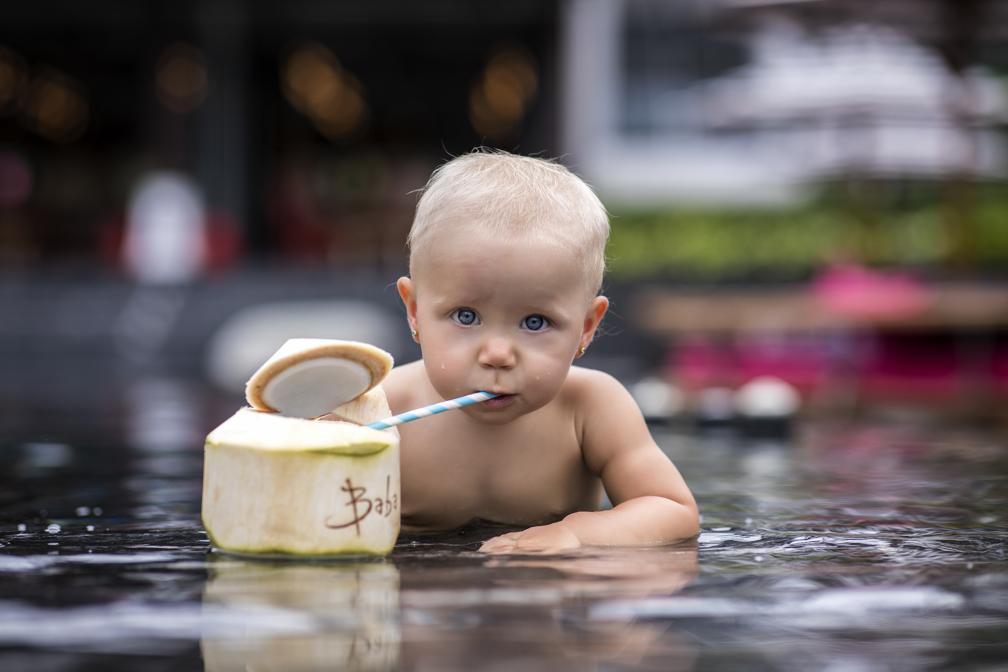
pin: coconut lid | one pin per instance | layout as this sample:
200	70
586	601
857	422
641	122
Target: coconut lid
308	377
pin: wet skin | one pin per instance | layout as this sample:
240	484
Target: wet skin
510	317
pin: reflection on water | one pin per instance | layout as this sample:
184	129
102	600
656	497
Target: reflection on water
535	612
864	547
300	616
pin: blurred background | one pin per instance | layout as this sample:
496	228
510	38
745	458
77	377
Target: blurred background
809	197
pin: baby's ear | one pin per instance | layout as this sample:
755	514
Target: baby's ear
407	292
593	318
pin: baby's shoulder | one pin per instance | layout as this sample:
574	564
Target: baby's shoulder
587	387
404	386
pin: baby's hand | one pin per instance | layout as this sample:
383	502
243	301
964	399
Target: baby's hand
551	538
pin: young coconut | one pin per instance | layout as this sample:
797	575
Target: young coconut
275	484
308	377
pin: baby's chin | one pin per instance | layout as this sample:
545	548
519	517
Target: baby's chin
493	419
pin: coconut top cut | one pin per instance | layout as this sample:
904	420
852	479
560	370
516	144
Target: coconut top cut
249	429
309	377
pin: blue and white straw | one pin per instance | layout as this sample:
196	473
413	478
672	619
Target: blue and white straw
433	409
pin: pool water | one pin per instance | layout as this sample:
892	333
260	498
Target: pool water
875	545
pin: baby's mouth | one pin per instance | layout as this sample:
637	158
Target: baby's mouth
500	401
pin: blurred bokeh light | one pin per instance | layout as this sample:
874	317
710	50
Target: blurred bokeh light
500	97
318	86
56	106
181	78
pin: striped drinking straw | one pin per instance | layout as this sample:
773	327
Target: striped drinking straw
433	409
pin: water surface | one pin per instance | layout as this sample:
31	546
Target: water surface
843	546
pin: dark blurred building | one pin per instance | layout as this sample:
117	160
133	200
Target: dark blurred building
305	125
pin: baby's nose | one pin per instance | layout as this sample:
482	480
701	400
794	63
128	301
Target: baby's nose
497	353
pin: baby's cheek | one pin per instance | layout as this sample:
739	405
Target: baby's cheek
548	380
446	377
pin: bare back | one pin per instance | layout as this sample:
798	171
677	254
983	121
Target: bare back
455	469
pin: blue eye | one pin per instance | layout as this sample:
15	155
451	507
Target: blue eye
535	323
465	316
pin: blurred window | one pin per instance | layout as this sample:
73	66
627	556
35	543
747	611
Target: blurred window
666	50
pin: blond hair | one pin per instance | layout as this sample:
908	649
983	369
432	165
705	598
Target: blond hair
514	196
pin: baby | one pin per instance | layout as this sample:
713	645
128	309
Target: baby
506	264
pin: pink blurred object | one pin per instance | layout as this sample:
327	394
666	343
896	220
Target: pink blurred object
697	363
804	363
999	368
915	366
861	293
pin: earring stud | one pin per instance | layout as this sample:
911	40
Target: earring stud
414	332
582	350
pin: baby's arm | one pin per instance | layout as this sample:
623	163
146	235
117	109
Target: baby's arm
651	502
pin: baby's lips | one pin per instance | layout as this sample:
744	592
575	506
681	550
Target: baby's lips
500	401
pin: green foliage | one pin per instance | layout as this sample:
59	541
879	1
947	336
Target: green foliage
916	228
992	232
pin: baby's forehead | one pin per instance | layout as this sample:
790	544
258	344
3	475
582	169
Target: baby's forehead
463	245
562	244
492	262
504	224
510	297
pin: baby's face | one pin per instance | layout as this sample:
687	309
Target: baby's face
502	316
